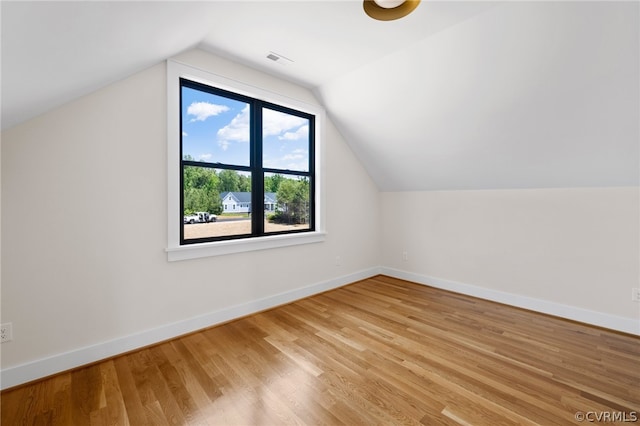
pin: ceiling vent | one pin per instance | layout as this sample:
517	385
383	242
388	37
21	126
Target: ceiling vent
276	57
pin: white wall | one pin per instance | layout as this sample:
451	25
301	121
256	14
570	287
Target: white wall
85	274
84	231
572	252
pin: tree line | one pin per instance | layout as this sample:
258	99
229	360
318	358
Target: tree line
202	188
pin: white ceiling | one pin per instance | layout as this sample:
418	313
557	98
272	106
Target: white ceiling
458	95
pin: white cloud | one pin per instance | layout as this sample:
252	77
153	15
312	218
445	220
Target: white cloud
288	126
275	122
237	130
204	110
205	157
301	165
296	154
291	157
185	134
301	133
298	159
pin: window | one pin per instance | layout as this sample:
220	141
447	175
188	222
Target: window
233	147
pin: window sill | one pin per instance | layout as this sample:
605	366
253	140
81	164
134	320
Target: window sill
220	248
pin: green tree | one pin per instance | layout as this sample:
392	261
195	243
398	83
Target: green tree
229	181
244	183
293	201
201	190
272	183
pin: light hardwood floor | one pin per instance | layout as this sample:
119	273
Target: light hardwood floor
379	351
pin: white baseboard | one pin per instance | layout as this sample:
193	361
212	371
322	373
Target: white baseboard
24	373
613	322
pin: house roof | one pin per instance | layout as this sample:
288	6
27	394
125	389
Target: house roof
457	95
245	197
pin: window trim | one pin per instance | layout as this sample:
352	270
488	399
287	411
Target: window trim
175	251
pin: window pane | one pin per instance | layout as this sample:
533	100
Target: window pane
215	129
285	141
217	203
287	202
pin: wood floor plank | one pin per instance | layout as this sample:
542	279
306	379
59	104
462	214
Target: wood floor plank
378	351
86	390
130	394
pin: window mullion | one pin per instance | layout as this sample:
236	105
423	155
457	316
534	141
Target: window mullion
312	173
257	178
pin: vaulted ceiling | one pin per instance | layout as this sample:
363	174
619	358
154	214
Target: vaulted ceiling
457	95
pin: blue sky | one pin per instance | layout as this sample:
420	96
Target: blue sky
215	129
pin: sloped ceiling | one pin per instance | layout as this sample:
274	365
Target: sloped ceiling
458	95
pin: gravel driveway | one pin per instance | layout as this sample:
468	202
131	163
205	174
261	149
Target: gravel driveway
222	228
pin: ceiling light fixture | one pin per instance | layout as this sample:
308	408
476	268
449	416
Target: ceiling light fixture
388	10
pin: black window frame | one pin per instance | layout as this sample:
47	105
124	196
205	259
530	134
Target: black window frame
255	168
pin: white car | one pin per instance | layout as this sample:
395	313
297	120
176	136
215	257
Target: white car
200	217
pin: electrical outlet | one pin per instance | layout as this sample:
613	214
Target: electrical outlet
338	261
405	256
6	332
635	294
